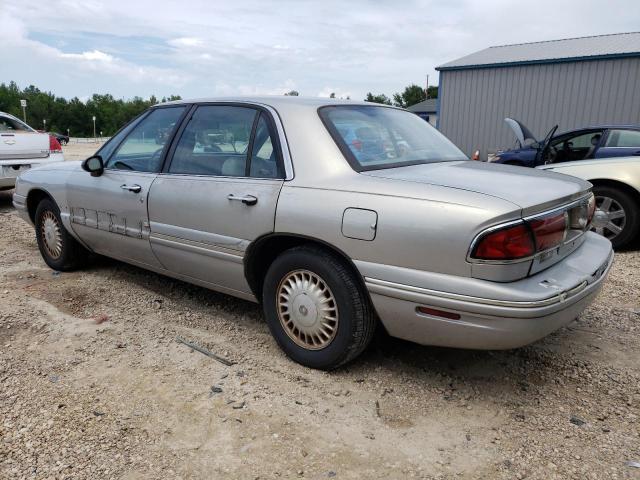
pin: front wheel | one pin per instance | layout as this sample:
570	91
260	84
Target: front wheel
316	308
617	216
58	248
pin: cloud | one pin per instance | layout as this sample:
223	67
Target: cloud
94	55
210	47
186	42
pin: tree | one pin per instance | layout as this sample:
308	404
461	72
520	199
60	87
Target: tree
380	98
333	95
73	115
292	93
412	94
432	91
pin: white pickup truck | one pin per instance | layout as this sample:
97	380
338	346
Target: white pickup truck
22	147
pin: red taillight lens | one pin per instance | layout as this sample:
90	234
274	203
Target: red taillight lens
508	243
54	144
549	231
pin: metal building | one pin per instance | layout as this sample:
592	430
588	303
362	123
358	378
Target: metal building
427	110
571	83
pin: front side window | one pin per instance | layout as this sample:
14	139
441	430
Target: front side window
227	141
624	138
373	137
141	151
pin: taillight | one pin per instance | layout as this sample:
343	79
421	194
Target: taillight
591	209
549	231
509	243
54	144
476	155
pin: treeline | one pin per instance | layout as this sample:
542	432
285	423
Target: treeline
75	115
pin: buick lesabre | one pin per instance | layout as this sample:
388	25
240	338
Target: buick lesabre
337	216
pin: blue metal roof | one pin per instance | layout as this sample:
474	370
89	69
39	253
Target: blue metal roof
568	50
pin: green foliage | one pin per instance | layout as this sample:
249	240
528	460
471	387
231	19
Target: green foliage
380	98
62	114
412	94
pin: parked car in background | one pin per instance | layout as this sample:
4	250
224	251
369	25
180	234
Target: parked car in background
616	186
21	147
330	236
61	137
602	141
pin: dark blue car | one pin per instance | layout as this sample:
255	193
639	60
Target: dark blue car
590	142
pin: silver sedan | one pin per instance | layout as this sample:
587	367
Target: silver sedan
339	217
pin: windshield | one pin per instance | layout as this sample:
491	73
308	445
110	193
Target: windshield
373	137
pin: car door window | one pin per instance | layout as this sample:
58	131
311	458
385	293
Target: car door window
264	157
215	142
576	147
623	139
141	151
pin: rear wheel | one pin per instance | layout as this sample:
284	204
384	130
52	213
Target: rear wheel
316	308
58	248
617	216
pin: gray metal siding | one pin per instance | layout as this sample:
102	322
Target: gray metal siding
474	103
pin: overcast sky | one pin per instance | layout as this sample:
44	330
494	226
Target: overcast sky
211	48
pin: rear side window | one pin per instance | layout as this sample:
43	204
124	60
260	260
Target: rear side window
141	150
373	137
624	138
8	124
226	141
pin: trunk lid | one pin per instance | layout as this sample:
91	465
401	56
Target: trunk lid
530	189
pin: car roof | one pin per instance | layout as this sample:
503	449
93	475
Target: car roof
594	127
274	101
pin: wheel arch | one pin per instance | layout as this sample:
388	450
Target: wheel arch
264	250
607	182
34	197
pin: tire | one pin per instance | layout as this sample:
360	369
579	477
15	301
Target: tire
58	248
332	286
616	200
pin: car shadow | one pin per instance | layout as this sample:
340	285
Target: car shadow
508	370
6	200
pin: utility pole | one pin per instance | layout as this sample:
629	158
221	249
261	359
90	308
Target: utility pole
44	123
94	129
427	90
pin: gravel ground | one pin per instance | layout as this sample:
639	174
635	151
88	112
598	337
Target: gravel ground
93	384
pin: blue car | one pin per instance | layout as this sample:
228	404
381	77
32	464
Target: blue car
602	141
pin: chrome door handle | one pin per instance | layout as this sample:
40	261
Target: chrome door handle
132	188
246	199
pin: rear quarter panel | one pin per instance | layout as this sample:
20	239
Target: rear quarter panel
412	231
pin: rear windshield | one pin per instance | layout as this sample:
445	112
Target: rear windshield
373	137
10	124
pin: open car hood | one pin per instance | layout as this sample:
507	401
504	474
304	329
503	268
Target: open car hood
522	133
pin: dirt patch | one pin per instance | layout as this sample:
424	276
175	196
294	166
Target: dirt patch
121	398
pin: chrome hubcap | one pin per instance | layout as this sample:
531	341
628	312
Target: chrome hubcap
609	218
51	234
307	309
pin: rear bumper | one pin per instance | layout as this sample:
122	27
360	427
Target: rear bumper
518	313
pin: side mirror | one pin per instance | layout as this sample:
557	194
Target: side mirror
93	165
